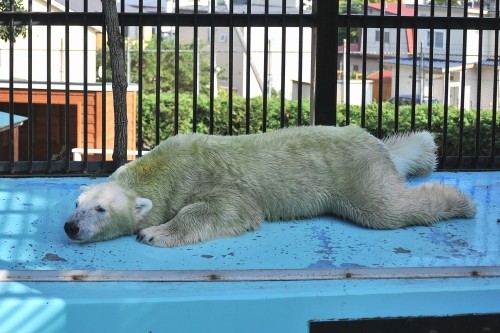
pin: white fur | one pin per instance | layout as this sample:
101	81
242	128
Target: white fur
193	188
412	153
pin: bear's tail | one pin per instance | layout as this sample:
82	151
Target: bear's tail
414	154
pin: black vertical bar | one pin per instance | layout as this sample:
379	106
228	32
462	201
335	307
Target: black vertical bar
67	91
177	68
103	98
265	89
49	90
397	73
495	91
283	64
85	88
381	73
431	72
347	66
12	144
364	69
212	70
301	58
326	35
446	91
248	69
159	40
195	67
30	88
140	84
414	70
462	95
231	68
479	79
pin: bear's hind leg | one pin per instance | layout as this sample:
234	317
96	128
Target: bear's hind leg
422	205
222	215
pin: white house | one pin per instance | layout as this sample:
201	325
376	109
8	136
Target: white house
57	54
255	48
422	54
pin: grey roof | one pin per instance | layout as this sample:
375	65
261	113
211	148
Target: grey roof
437	63
491	62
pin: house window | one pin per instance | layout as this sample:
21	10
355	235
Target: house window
438	39
386	36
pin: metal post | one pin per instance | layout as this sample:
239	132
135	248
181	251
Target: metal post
324	58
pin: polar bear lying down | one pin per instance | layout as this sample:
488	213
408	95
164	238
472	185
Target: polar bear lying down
192	188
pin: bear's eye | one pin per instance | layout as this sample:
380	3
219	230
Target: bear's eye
76	204
100	209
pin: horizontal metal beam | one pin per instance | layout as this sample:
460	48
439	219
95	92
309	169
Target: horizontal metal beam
57	168
254	20
419	22
164	19
247	275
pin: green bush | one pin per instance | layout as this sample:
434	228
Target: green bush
437	127
221	117
290	114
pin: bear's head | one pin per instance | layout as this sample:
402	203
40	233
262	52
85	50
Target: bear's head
104	211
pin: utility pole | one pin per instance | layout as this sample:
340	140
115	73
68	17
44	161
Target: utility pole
421	70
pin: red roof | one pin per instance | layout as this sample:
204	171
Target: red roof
385	75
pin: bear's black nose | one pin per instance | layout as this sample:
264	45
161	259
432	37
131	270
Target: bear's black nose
71	229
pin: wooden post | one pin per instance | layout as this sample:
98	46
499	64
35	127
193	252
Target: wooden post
119	81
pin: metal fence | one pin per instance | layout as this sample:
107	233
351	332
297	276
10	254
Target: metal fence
236	67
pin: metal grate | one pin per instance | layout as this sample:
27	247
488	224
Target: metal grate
235	67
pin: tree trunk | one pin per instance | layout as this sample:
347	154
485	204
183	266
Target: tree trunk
119	81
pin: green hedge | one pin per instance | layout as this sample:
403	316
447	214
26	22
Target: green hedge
273	119
220	115
437	122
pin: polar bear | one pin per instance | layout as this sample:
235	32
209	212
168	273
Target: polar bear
193	188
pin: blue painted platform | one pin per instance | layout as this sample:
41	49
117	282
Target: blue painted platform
276	279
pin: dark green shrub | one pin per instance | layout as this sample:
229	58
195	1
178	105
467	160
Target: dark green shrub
436	125
221	119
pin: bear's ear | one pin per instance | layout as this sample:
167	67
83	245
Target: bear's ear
142	206
84	188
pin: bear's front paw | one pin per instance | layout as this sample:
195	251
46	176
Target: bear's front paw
160	236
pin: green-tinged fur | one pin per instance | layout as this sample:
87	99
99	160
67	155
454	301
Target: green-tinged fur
202	187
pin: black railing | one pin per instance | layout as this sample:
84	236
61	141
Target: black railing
237	67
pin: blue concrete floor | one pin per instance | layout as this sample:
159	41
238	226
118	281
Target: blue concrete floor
33	211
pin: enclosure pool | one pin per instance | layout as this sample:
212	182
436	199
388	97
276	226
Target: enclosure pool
282	278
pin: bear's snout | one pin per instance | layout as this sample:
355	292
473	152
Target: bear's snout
71	229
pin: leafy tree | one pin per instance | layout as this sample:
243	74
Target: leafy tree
5	31
167	66
356	8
